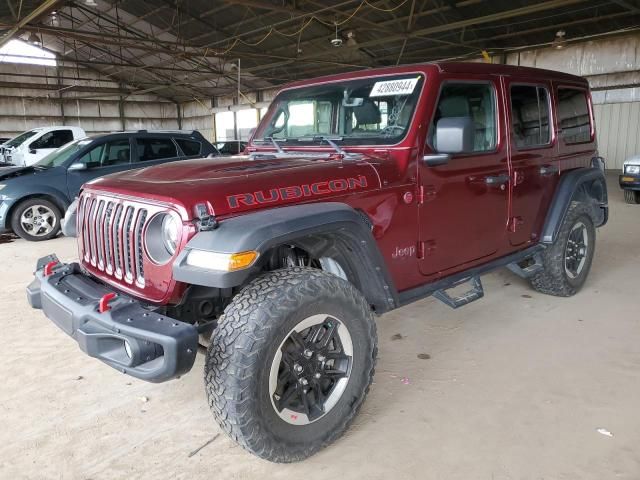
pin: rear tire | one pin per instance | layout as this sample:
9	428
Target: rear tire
567	262
632	197
291	362
36	219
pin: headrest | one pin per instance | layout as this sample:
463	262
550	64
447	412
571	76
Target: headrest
123	155
454	107
368	113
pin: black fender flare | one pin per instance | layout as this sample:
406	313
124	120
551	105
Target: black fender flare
582	184
329	228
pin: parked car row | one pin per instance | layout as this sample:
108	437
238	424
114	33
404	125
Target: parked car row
33	145
34	197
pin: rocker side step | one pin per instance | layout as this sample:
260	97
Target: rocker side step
528	267
476	292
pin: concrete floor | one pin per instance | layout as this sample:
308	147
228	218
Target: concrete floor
514	386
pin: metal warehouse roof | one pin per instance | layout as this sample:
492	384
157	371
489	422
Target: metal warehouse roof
188	49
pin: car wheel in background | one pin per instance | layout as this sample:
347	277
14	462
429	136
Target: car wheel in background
36	219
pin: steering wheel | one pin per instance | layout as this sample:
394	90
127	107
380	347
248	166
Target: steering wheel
391	129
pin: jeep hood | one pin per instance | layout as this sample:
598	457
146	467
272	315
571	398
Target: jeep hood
235	184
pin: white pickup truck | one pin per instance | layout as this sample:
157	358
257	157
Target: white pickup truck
33	145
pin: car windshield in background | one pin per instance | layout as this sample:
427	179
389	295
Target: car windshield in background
20	138
356	112
60	156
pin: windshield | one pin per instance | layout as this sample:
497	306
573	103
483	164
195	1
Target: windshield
14	142
354	112
61	155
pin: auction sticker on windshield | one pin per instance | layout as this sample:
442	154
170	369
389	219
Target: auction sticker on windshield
403	86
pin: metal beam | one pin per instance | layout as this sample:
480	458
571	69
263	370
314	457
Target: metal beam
416	55
43	8
493	17
627	5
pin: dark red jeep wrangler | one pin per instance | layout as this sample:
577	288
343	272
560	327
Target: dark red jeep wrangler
360	193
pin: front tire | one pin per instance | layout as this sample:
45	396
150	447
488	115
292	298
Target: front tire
567	262
291	362
632	196
36	219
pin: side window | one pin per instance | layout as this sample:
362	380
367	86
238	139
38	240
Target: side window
573	115
530	116
475	101
54	139
189	147
116	152
92	158
155	149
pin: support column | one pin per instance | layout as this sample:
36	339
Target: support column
123	123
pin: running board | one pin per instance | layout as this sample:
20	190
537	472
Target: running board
532	266
475	293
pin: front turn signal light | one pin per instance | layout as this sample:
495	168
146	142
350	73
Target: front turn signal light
238	261
225	262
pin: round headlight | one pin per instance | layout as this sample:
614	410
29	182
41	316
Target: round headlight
162	237
170	233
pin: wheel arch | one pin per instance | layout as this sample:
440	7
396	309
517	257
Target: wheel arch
328	229
586	185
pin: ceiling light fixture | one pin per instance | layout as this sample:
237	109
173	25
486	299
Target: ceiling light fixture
34	39
336	42
560	41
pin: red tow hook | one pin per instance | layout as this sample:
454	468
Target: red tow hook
104	302
48	268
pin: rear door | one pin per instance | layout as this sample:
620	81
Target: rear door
102	159
533	157
153	150
463	212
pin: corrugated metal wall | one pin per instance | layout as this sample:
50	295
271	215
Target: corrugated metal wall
618	127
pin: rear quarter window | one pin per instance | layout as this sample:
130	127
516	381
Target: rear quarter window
189	147
573	115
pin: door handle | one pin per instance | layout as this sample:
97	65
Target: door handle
549	170
496	179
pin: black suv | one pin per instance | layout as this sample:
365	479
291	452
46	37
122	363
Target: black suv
33	199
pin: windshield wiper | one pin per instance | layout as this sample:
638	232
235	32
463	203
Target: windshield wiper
330	140
275	143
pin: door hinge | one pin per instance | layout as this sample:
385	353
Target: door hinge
426	194
514	223
518	177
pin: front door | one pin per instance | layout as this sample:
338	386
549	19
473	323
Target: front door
533	158
463	213
46	144
103	159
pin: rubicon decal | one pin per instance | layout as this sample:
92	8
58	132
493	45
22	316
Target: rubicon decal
292	192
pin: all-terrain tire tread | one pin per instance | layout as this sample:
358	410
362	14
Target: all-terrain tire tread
235	344
551	279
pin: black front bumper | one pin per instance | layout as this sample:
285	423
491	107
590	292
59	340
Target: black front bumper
629	182
160	348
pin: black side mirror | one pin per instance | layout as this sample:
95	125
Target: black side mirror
33	150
